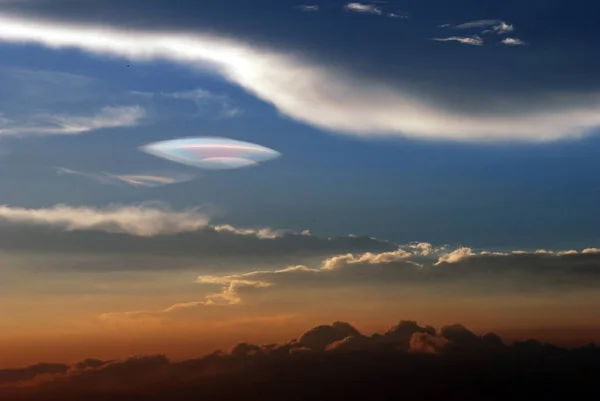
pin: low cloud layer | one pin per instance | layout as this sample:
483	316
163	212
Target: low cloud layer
336	101
451	363
156	229
423	265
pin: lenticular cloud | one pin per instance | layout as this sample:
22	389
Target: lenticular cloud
211	153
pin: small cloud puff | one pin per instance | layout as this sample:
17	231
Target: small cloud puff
513	42
364	8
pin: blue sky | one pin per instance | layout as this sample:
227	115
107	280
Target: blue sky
519	190
438	162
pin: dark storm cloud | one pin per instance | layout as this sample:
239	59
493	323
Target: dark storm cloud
335	362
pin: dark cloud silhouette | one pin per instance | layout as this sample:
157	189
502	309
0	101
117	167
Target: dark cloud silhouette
418	361
320	337
30	372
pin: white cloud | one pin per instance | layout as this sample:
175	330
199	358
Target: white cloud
337	262
135	180
307	7
363	8
502	28
467	40
478	24
513	42
67	124
399	266
398	14
144	220
203	100
320	96
456	256
498	26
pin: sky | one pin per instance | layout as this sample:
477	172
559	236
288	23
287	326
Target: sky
438	161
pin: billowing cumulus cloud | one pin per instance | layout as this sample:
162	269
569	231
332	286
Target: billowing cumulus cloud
513	42
334	359
492	271
336	101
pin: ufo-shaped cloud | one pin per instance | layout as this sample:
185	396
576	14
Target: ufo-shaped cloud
211	153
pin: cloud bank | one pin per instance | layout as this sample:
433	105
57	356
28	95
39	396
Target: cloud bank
314	94
156	229
335	360
423	265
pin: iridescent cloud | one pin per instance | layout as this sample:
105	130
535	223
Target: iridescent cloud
211	153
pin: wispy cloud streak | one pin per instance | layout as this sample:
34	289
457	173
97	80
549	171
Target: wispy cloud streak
497	26
67	124
338	103
308	7
135	180
363	8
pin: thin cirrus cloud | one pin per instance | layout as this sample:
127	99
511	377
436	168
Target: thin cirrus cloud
204	100
493	25
467	40
134	180
70	124
336	102
308	7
